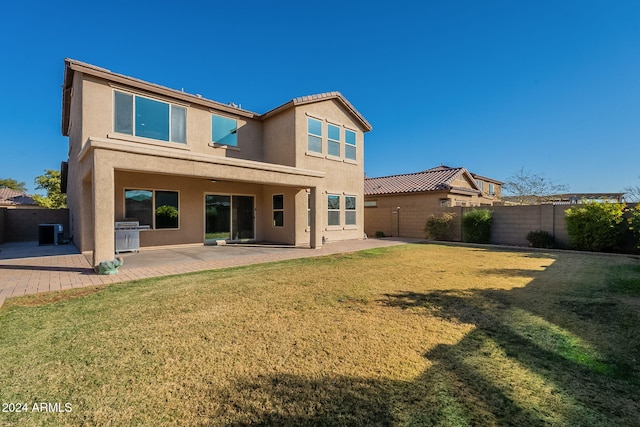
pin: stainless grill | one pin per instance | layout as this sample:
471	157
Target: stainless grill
127	236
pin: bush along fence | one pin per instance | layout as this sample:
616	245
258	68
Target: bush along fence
544	226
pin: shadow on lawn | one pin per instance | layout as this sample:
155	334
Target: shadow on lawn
297	401
532	359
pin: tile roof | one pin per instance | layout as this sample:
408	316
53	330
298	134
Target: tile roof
301	100
9	197
438	178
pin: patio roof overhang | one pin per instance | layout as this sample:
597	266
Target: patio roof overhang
123	155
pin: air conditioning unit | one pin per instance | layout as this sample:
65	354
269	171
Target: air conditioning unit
50	234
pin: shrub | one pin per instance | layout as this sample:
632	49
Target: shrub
541	239
476	226
379	234
594	226
439	226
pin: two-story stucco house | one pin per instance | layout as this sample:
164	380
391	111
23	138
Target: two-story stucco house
199	171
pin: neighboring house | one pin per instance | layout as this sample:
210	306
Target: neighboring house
407	196
15	199
199	171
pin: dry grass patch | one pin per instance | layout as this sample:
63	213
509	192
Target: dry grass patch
418	334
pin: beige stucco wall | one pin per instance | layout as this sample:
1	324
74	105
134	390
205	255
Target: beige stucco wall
279	144
74	180
98	101
497	189
191	196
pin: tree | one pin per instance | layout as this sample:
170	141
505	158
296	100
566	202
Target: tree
50	182
13	184
633	193
594	226
528	188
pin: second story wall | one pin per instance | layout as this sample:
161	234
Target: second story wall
115	111
279	144
319	132
329	139
489	187
75	122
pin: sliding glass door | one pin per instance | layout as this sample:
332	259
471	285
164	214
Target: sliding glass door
229	218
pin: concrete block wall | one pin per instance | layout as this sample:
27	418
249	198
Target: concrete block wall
21	225
511	224
408	221
2	221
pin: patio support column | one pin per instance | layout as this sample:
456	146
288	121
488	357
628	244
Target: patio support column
316	218
103	208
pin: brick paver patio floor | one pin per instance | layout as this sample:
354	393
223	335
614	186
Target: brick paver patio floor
26	268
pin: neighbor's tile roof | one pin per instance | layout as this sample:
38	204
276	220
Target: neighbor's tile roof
9	197
429	180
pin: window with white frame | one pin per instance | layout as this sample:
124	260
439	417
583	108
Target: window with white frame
480	184
278	210
350	210
314	130
333	140
333	209
492	189
155	208
149	118
349	144
224	130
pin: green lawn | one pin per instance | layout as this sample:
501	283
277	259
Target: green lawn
409	335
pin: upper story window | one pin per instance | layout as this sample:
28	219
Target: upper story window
224	130
492	189
333	138
480	184
314	130
140	116
349	144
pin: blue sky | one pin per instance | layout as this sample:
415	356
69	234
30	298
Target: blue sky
494	86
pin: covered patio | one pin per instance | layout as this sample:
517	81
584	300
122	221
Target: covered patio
111	167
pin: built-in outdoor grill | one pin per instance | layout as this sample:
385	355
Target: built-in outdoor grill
128	236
